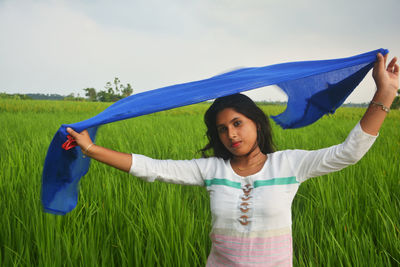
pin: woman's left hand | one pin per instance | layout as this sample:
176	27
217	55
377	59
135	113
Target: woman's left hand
387	83
386	78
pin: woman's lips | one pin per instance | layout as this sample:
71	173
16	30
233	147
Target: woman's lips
235	144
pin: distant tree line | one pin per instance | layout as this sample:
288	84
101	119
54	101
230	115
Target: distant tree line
14	96
45	96
37	96
113	92
116	91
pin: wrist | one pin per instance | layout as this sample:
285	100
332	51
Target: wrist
385	96
87	150
380	105
387	89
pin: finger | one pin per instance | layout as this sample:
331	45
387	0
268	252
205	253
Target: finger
391	64
379	62
396	69
378	58
385	59
72	132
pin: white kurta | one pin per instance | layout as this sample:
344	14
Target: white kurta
251	216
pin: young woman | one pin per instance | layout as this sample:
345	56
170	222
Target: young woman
252	187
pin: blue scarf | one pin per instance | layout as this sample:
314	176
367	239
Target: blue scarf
314	88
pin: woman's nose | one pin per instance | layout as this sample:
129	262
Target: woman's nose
232	133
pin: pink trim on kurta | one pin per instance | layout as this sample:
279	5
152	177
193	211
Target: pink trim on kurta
245	251
251	240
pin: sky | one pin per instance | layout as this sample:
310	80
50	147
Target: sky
62	47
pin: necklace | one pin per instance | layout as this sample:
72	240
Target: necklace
252	165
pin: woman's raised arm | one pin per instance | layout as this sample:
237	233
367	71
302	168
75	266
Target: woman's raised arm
387	84
119	160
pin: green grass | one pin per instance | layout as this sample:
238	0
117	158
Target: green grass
348	218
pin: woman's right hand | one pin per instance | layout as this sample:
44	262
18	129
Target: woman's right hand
119	160
82	139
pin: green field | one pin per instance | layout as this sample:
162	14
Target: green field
348	218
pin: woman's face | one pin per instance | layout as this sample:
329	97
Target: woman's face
237	132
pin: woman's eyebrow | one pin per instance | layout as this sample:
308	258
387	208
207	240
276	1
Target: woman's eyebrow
234	119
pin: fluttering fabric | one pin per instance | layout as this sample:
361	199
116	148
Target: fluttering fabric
314	88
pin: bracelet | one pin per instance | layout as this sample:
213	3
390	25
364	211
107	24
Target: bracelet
87	149
384	108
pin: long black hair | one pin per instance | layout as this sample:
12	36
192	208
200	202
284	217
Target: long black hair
244	105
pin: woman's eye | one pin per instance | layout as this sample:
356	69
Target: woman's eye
237	123
221	129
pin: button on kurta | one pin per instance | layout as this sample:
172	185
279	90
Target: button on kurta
244	220
244	205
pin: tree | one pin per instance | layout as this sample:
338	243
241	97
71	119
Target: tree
114	91
127	90
116	84
91	94
396	101
104	96
109	88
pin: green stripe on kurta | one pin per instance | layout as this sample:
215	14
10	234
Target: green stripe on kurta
258	183
276	181
222	182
